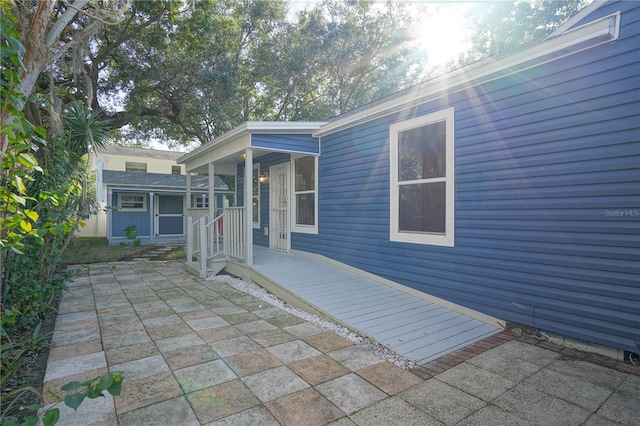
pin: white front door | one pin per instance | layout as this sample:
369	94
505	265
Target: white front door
279	233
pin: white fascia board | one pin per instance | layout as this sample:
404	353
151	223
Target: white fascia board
284	126
592	34
586	11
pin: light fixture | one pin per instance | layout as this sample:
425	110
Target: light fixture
243	155
263	178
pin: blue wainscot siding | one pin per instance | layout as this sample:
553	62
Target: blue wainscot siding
547	196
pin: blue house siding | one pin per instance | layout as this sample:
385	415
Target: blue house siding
547	196
289	143
120	219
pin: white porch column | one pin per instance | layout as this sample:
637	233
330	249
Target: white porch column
212	198
153	218
109	201
188	192
248	205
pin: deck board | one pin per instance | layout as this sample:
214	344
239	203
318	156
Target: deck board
383	323
415	328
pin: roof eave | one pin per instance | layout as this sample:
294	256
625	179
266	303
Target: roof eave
285	127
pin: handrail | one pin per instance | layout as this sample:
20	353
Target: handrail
209	237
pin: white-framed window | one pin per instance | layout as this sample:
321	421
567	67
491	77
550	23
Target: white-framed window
422	179
132	166
132	202
200	201
255	198
305	194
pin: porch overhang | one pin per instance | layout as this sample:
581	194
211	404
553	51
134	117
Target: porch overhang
260	136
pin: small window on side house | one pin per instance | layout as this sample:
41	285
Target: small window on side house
175	170
422	180
132	202
305	194
131	166
200	201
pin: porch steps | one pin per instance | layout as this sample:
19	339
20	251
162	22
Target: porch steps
213	267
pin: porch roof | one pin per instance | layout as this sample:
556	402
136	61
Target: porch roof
261	136
137	180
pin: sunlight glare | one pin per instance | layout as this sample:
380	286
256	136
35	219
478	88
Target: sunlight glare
442	33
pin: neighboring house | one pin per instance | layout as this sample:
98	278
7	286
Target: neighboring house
511	186
147	188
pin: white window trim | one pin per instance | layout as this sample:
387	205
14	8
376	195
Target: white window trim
256	175
130	209
446	240
200	198
303	229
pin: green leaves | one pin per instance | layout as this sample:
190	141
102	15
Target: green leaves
28	160
51	417
93	388
85	129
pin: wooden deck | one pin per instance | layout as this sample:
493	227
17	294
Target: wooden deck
418	329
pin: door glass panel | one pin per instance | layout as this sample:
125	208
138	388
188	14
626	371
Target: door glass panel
168	204
170	225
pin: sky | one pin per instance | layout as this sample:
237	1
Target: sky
442	30
441	26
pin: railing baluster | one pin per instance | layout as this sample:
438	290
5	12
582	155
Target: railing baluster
203	249
189	239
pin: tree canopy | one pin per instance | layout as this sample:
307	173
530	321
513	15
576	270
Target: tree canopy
185	71
501	27
214	65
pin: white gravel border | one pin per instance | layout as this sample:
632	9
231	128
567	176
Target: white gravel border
262	294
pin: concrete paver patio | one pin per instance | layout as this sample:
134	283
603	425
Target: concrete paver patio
196	352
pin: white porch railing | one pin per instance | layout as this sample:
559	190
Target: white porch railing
235	242
197	213
205	240
210	238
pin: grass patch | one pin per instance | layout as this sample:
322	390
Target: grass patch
178	255
83	250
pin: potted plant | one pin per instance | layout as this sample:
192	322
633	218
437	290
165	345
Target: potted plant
131	232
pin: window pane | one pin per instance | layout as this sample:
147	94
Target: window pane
306	209
422	208
421	152
256	210
135	167
256	183
305	174
133	202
